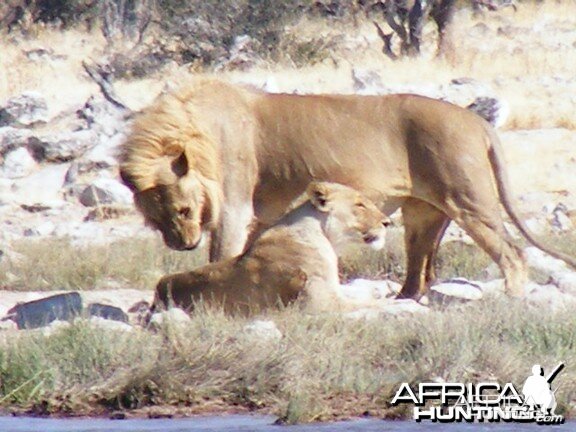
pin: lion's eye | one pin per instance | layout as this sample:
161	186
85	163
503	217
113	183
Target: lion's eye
360	205
185	212
386	223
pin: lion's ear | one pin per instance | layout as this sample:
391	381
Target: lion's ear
180	165
319	195
176	154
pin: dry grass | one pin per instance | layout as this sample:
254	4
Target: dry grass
455	259
324	366
50	62
527	58
59	264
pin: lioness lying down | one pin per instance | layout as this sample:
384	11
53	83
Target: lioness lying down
295	258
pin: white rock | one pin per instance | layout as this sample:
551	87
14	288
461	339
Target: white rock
543	263
103	155
494	110
6	192
565	281
11	138
25	110
366	81
549	297
8	324
53	327
102	117
495	286
536	225
18	163
560	220
173	316
63	147
41	230
107	324
367	290
457	288
105	191
271	85
388	307
43	186
462	91
262	330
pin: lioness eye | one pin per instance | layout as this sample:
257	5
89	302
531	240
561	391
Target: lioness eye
360	205
386	223
185	212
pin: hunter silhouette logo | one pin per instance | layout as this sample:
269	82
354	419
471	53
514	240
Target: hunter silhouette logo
538	392
485	401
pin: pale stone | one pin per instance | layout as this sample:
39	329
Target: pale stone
263	330
388	307
105	191
53	327
63	147
458	288
107	324
27	109
543	263
549	297
367	290
41	230
173	316
44	186
565	281
18	163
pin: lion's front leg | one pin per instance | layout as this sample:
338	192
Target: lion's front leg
232	233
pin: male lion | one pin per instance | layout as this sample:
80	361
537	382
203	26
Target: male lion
294	258
212	156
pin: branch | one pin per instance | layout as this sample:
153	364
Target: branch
387	39
101	76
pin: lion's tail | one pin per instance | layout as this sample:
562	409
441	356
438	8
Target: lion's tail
503	185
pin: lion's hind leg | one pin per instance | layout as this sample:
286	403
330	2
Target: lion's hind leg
488	231
424	227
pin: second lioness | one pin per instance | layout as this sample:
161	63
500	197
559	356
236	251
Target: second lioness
295	258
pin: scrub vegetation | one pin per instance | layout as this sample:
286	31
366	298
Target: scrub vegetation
324	367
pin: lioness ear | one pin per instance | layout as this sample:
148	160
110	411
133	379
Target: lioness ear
318	193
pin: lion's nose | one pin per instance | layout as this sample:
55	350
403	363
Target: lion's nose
194	241
192	246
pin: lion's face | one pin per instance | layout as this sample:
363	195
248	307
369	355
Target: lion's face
180	211
350	216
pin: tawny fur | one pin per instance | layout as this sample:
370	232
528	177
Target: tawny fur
293	260
213	156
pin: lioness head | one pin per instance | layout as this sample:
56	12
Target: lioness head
350	216
180	202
